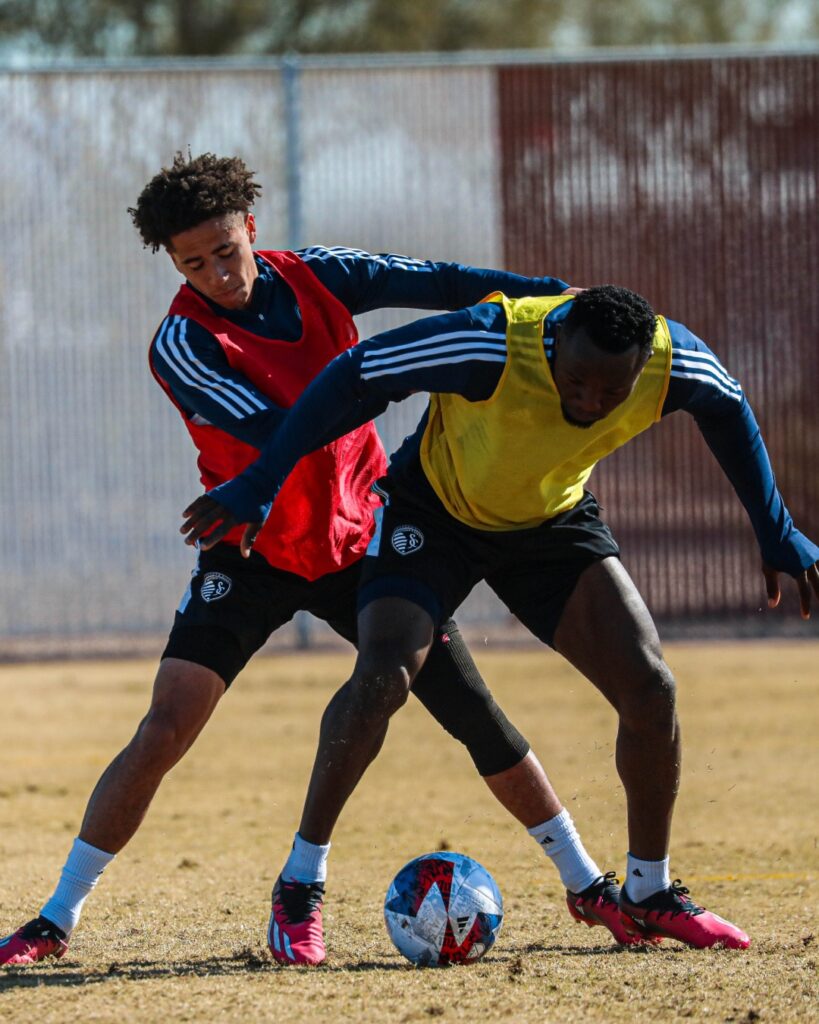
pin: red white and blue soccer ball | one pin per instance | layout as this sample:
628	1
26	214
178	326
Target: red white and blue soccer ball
443	908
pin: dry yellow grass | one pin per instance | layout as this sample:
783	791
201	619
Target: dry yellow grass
175	931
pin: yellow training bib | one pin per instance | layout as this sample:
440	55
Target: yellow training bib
512	461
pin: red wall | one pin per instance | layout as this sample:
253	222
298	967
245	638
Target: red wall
694	182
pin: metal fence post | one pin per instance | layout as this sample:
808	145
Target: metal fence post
291	73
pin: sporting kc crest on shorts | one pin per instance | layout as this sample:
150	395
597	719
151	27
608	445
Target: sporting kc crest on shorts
214	586
407	539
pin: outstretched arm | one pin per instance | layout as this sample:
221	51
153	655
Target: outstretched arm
462	353
364	281
702	386
737	443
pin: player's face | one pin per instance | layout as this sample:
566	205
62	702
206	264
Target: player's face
592	383
216	257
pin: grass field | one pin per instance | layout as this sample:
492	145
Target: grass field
175	930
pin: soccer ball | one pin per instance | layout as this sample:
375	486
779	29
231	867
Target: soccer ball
443	908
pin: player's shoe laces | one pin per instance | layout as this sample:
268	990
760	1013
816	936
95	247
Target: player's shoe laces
599	904
34	941
671	914
295	934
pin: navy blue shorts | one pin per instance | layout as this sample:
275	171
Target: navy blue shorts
234	604
422	553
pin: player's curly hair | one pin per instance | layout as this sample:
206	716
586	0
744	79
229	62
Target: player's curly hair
614	318
190	191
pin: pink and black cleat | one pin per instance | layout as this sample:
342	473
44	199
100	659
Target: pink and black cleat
671	914
33	942
295	934
599	904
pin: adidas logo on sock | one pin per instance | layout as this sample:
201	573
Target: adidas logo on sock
546	840
637	872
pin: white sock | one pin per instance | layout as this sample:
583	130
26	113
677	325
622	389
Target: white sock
559	840
645	877
80	874
307	862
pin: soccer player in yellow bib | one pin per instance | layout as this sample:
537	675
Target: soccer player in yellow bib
526	396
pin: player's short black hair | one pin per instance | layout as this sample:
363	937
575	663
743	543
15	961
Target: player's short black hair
190	191
613	318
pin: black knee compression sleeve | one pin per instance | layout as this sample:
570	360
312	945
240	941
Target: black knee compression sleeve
452	690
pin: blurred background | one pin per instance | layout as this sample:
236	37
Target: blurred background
671	148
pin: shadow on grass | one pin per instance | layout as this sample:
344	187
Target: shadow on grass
638	949
73	975
249	962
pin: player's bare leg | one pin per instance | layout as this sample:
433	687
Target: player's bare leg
184	697
525	791
395	636
607	633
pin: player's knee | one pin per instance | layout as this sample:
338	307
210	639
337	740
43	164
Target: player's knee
652	698
165	734
185	695
381	683
157	744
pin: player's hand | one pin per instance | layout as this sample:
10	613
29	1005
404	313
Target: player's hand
807	583
572	291
207	522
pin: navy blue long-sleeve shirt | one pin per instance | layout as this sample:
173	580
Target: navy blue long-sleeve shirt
192	363
464	353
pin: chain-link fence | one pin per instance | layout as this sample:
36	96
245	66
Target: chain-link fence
690	179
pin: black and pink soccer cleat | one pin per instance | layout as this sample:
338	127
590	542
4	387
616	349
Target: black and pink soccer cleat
599	904
33	942
671	914
295	934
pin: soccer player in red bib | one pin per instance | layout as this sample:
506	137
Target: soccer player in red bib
527	395
245	335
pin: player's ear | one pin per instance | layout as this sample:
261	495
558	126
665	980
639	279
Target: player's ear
250	227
